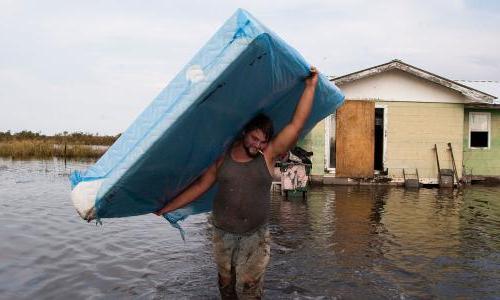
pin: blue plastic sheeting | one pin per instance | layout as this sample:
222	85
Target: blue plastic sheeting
243	70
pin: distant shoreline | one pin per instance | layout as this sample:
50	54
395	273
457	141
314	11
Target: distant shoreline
27	144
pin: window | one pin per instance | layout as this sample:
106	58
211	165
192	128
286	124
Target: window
479	129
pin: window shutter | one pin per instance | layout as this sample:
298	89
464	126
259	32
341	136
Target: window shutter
479	122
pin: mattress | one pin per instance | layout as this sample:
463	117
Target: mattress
243	70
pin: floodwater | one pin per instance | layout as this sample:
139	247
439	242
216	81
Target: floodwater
342	243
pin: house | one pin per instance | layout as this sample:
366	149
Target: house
396	118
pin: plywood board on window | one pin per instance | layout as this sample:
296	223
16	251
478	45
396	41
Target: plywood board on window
355	139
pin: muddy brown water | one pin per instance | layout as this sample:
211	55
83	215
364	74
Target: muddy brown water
342	243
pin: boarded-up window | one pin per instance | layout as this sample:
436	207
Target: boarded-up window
479	128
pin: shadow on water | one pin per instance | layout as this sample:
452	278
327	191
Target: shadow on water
342	242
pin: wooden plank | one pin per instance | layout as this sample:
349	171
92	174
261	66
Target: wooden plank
355	139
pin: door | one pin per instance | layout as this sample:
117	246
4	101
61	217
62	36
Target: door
355	139
379	139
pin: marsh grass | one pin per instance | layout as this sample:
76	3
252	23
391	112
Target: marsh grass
21	149
76	145
75	138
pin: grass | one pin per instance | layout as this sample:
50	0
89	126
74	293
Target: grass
77	145
75	138
21	149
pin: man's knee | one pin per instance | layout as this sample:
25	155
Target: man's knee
249	288
224	280
226	288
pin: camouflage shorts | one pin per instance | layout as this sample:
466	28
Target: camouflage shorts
241	261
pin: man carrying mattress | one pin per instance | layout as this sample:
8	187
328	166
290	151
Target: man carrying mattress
241	206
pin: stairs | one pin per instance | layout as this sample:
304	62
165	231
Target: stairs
411	178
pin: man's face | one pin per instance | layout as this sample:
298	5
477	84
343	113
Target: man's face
253	141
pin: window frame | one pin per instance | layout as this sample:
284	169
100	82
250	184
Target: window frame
488	116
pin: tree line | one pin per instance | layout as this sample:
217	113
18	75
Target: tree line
74	138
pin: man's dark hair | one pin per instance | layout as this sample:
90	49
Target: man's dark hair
262	122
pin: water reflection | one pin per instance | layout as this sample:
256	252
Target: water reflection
347	242
392	242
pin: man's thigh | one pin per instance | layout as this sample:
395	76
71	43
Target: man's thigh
223	248
253	256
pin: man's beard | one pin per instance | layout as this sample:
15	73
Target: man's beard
247	150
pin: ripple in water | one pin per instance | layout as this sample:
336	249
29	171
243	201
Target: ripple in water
342	242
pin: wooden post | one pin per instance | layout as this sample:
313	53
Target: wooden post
437	159
454	165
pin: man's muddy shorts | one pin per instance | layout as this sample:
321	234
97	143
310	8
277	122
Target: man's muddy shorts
242	261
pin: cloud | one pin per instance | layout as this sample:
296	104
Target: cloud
95	65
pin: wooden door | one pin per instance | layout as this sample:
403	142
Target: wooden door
355	139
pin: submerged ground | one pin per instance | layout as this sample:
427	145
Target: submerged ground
343	242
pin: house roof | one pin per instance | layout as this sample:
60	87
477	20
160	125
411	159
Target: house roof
487	86
474	94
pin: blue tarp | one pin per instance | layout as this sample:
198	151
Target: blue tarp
243	70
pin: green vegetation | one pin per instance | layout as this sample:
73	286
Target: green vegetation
28	144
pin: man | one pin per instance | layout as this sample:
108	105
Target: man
241	207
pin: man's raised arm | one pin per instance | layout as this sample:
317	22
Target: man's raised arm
287	137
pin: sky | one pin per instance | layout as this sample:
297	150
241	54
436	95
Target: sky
94	66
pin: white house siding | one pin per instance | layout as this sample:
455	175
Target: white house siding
397	85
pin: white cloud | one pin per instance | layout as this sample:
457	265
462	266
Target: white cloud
94	65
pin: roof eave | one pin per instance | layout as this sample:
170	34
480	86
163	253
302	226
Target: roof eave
483	105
